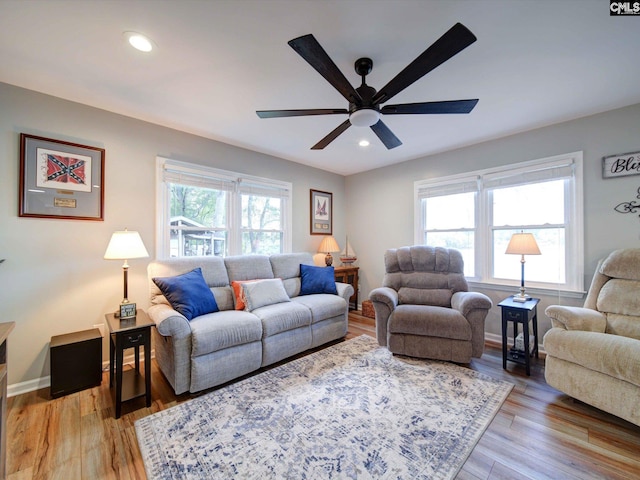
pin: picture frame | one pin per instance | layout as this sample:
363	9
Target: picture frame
321	204
127	310
60	179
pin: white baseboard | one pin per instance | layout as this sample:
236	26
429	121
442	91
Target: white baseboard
28	386
45	382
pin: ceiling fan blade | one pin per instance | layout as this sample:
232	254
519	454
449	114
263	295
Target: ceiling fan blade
308	48
447	106
300	113
385	135
332	135
456	39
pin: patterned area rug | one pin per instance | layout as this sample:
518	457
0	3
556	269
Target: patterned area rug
352	410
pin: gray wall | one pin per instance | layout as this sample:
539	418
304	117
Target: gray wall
381	211
54	279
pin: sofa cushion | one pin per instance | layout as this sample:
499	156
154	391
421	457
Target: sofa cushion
317	280
248	267
281	317
264	292
287	267
322	306
188	293
220	330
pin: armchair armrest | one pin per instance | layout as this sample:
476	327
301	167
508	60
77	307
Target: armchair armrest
169	322
576	318
384	300
465	302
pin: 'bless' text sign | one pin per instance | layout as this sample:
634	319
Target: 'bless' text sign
621	165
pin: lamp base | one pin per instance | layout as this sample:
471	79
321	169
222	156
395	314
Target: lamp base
521	298
328	259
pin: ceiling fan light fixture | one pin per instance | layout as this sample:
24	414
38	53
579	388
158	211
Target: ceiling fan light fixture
364	143
365	117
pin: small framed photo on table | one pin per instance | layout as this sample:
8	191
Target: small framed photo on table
321	213
60	179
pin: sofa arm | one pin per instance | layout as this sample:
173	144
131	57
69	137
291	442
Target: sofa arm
169	322
384	300
576	318
465	302
345	291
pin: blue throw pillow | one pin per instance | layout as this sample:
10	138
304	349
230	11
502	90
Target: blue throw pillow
188	293
317	280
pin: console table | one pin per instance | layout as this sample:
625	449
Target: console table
130	333
5	330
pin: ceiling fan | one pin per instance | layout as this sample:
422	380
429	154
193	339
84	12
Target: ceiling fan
365	102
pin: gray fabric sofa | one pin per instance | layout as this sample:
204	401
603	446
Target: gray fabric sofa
214	348
424	308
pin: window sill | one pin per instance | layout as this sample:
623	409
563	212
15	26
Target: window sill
533	291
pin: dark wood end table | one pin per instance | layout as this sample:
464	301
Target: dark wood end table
349	274
519	313
130	333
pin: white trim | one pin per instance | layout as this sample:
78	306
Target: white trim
45	382
566	166
261	185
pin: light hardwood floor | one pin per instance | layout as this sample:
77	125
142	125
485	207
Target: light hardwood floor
538	432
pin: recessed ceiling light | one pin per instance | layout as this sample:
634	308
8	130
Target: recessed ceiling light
364	143
139	41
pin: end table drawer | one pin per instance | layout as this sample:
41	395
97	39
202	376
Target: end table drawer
515	315
135	338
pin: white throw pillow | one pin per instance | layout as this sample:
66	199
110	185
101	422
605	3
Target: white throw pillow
264	292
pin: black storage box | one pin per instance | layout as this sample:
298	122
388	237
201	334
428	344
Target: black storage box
76	361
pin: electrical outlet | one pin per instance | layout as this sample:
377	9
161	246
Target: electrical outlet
100	326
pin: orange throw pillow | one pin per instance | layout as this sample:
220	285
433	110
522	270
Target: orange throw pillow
237	291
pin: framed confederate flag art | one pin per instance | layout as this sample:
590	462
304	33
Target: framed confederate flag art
60	179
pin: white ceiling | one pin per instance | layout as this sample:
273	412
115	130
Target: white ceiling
535	63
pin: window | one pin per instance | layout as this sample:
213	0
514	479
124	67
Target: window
477	213
206	211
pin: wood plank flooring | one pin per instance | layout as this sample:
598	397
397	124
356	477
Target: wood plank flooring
538	433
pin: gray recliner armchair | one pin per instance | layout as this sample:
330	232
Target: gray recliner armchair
424	308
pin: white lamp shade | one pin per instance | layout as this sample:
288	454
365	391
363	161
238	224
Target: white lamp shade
523	244
329	245
125	245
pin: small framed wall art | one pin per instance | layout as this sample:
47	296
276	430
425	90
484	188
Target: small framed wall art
321	213
60	179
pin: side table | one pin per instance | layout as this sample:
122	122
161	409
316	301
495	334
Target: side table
130	333
519	313
349	275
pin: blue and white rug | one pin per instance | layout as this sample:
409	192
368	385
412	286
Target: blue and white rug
352	410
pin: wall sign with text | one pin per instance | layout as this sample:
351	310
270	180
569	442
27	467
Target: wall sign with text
621	165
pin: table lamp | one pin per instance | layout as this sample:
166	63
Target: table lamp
125	245
522	244
327	246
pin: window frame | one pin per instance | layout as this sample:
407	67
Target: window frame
236	185
555	167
